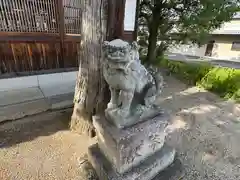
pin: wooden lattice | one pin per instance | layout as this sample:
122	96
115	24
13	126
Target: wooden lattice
28	16
39	35
72	16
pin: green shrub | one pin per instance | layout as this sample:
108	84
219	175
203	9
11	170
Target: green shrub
221	80
189	72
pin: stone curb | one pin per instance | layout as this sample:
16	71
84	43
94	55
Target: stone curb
27	108
23	96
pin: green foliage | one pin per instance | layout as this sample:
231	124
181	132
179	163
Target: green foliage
181	21
221	80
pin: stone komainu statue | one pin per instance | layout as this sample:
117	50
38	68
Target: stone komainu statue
133	88
132	146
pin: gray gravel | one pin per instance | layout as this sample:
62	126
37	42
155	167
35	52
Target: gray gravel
205	131
41	148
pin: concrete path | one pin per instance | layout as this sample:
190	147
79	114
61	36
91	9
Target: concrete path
205	130
30	95
216	62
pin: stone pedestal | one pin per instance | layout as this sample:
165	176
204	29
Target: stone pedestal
134	153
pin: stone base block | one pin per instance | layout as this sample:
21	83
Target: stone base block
147	170
127	148
137	117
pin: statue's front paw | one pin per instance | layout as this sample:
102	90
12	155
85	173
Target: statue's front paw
149	101
123	112
111	106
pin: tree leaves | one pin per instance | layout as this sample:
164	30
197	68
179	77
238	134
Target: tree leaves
193	20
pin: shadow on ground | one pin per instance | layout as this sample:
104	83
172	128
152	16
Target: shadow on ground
29	128
172	171
205	131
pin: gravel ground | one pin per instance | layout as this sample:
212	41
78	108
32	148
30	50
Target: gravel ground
205	131
41	148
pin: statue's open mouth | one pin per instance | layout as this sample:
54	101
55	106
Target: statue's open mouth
117	56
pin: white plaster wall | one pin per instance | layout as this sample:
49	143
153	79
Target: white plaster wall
193	50
232	27
223	49
129	17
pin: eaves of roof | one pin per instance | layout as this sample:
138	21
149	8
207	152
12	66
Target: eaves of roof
228	32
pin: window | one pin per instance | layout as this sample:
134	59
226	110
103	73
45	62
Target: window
209	48
236	46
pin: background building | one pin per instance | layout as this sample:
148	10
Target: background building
223	44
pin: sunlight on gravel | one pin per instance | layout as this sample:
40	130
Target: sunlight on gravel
204	129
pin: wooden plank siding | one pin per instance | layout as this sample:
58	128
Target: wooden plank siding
39	35
36	56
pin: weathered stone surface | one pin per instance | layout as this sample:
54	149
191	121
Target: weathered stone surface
146	171
127	148
132	132
139	116
133	87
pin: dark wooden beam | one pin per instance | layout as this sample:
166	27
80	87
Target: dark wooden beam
110	20
28	37
36	37
61	23
119	18
73	38
135	33
116	11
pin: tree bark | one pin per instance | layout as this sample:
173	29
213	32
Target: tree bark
90	87
153	26
152	41
91	92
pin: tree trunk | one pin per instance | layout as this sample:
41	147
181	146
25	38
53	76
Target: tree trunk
152	39
91	92
90	86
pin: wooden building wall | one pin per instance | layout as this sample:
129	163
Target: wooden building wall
39	34
37	56
128	36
